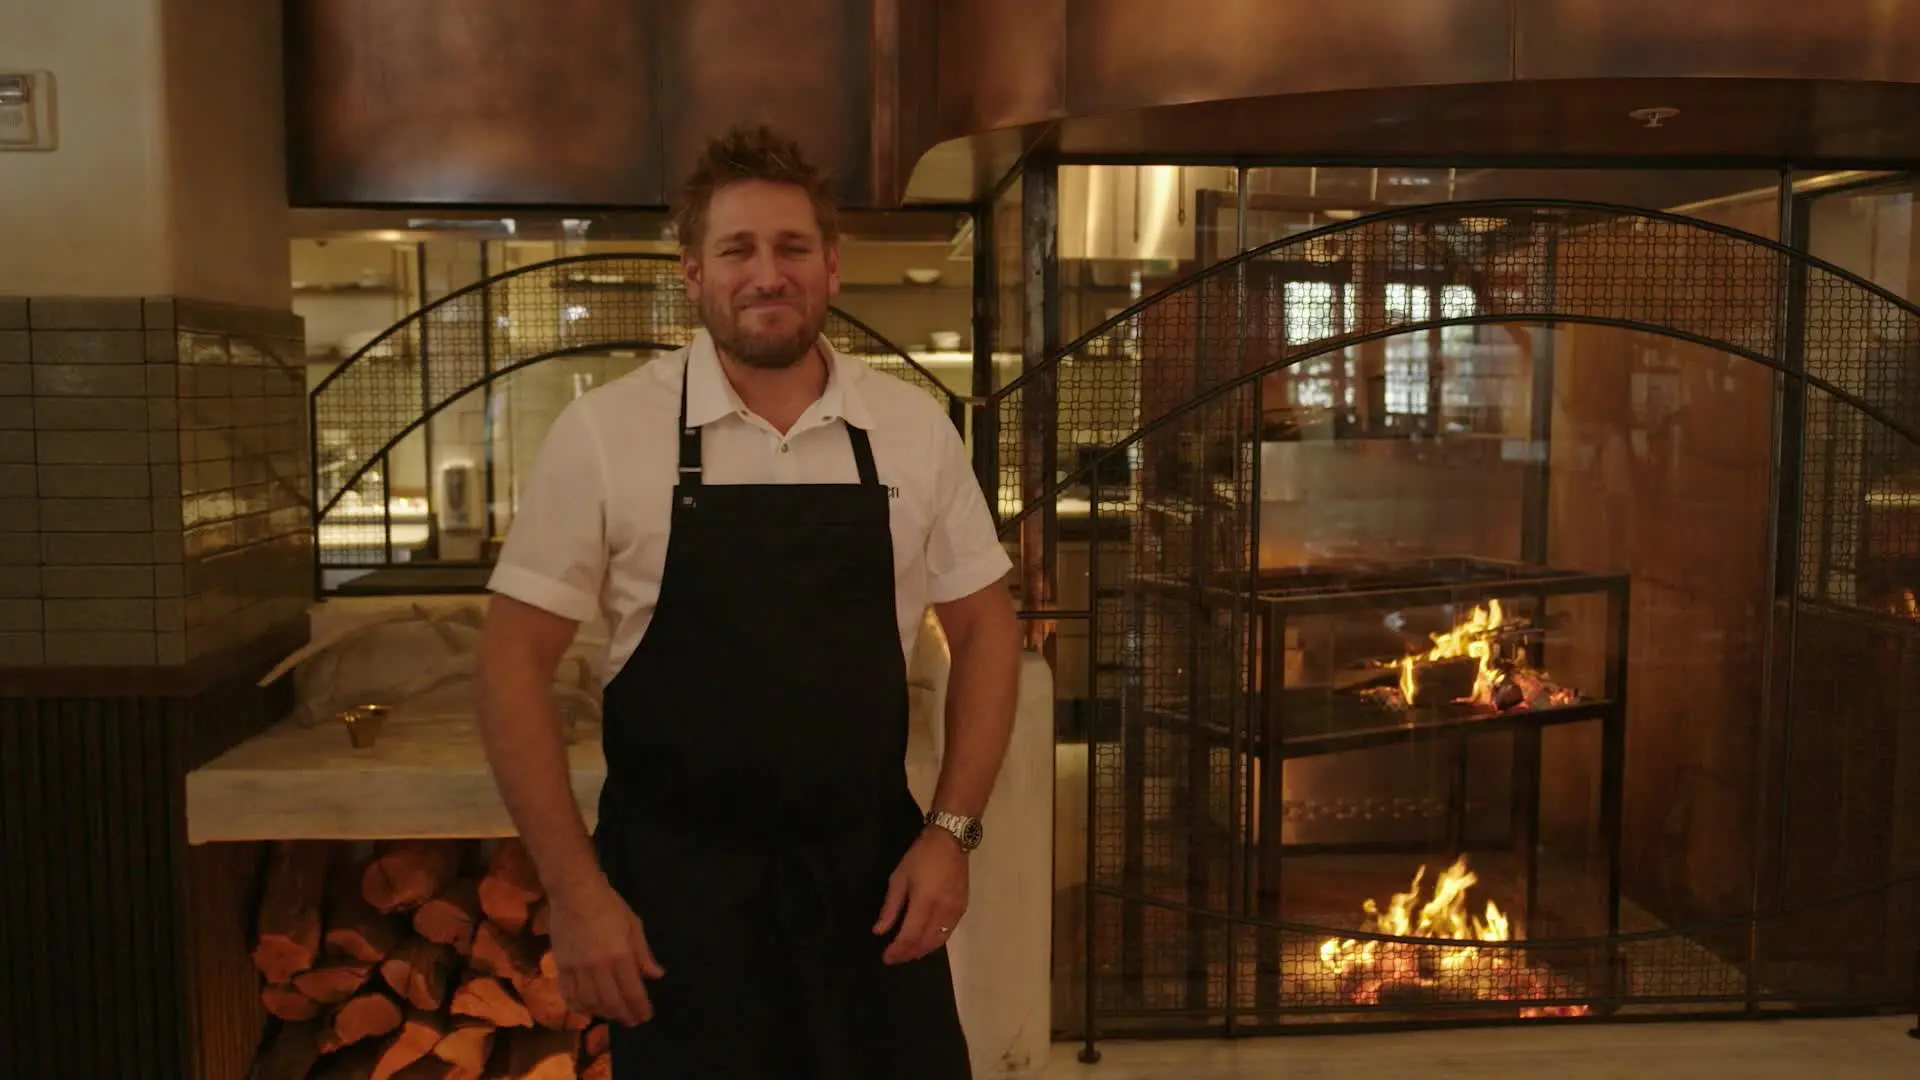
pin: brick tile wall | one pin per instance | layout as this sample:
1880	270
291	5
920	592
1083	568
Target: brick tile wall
153	479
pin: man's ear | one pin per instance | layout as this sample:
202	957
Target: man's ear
690	272
833	270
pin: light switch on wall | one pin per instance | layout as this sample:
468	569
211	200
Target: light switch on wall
26	110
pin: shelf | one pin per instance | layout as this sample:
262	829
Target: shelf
1357	726
346	290
423	777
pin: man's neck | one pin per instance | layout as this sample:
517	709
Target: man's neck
778	395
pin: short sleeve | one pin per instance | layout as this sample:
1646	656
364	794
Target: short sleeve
964	554
555	554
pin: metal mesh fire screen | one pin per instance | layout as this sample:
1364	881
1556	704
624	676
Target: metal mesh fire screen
454	401
1480	612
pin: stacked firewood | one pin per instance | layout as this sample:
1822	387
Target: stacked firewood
421	961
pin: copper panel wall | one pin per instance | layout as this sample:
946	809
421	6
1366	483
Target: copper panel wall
570	102
1792	39
802	65
1001	63
1130	54
1761	78
471	101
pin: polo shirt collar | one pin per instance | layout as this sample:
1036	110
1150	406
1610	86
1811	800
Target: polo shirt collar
710	396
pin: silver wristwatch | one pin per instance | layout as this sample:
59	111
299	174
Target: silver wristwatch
967	830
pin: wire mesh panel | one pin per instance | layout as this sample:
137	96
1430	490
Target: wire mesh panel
462	344
1368	758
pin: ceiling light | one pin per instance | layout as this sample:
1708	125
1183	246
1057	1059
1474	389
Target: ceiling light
1654	115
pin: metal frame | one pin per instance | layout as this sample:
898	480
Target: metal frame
490	373
1790	374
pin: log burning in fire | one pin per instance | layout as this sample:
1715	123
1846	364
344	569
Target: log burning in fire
1445	965
1481	661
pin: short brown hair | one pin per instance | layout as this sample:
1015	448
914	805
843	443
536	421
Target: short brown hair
750	153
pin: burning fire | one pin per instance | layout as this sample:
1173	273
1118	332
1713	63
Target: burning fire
1369	969
1500	681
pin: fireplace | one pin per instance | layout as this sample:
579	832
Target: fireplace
1450	662
1406	709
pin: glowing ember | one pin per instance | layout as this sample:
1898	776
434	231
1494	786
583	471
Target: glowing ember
1501	678
1370	971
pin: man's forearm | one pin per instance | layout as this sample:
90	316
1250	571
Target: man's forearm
982	688
521	732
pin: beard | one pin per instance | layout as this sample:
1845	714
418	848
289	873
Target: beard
767	348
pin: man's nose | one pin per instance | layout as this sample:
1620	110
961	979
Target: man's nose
766	275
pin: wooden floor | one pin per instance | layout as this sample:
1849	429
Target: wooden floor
1874	1049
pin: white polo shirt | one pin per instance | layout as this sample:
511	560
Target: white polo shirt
590	534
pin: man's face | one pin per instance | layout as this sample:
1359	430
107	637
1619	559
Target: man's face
763	276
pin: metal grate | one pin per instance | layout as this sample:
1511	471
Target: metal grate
616	310
1396	375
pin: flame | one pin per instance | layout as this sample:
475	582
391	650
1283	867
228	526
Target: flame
1473	639
1367	967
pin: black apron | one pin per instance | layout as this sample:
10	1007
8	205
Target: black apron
756	797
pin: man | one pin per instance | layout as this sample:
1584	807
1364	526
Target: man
762	523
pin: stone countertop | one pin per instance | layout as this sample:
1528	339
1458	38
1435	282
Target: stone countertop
424	777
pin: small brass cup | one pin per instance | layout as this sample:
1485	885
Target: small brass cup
363	724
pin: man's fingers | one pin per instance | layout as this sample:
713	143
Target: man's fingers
633	992
613	1001
648	965
895	901
907	945
570	993
643	953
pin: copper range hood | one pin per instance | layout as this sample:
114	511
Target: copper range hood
601	103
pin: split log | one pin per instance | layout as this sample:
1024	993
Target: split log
430	1068
487	998
364	1016
418	1035
287	1002
498	951
292	1054
511	885
334	981
597	1068
542	1054
354	928
543	998
451	917
597	1041
287	937
407	873
352	1063
420	971
468	1045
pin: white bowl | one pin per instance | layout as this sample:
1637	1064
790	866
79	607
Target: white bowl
922	276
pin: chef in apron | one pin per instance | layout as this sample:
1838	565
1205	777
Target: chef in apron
761	523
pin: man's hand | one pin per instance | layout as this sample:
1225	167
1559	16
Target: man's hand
930	885
602	953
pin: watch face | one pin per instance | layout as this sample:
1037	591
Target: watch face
974	834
